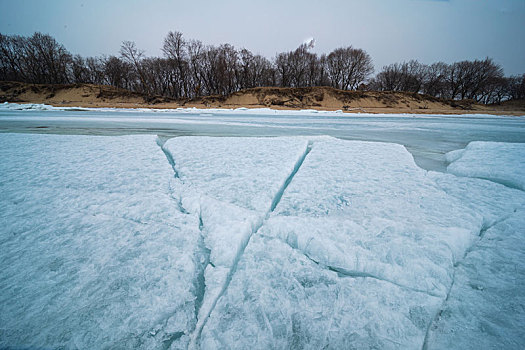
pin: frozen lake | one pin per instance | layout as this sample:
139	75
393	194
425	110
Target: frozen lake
301	241
426	137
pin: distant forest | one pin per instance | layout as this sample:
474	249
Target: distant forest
189	68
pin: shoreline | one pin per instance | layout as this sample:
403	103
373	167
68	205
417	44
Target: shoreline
280	99
252	110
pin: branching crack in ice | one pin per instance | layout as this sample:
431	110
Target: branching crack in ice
246	239
485	228
202	260
160	143
436	318
342	272
201	257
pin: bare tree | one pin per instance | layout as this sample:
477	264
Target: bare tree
12	58
174	49
348	67
434	79
196	58
191	69
131	54
516	86
117	72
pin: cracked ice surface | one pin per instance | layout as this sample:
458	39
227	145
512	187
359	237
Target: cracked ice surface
496	161
367	207
485	309
360	252
107	242
231	183
245	172
94	251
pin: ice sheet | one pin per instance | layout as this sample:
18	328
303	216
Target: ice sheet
219	111
496	161
232	183
485	307
288	242
95	253
360	252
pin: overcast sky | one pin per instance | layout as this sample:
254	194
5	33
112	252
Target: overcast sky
389	30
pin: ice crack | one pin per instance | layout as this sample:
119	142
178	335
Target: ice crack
202	260
201	257
160	142
436	318
246	239
342	272
290	177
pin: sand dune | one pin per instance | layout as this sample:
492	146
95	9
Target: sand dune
320	98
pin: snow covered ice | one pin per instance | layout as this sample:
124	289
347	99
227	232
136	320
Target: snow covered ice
235	242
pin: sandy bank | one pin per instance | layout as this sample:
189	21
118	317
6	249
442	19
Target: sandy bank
319	98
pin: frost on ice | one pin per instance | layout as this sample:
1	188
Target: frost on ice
255	242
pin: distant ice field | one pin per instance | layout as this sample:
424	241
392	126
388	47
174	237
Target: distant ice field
426	137
296	242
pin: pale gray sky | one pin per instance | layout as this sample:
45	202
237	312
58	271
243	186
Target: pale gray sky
389	30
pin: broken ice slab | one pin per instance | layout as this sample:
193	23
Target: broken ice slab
280	299
485	306
366	207
493	201
500	162
95	253
247	172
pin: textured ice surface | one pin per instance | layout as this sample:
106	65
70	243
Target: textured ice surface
95	253
285	300
485	309
232	183
246	172
361	252
493	201
485	306
115	242
496	161
367	207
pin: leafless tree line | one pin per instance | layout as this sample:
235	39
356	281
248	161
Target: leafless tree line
479	80
189	68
